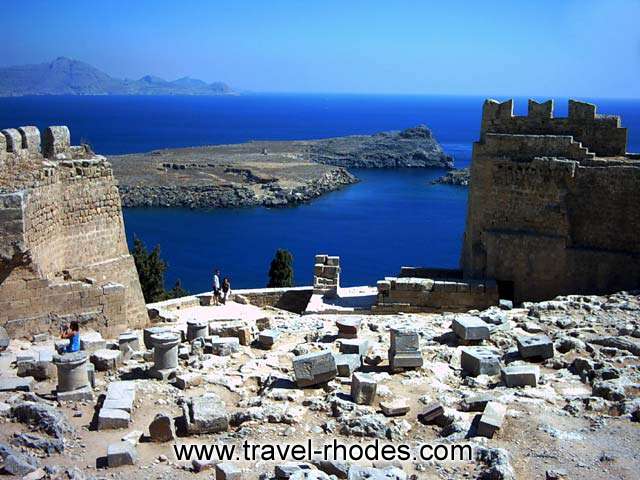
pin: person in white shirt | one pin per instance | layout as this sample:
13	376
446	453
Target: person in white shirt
216	287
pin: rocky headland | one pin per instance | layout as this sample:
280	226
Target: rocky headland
459	177
266	173
413	147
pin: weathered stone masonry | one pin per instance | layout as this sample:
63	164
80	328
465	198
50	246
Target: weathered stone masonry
553	203
63	252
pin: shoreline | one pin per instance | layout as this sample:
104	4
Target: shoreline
267	173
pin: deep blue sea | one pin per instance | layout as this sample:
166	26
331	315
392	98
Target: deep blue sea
391	218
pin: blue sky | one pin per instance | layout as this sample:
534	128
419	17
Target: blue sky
537	48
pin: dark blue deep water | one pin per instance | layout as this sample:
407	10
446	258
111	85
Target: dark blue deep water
391	218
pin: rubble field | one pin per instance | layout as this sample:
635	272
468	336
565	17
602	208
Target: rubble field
549	390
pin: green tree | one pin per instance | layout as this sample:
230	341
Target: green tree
178	291
281	270
151	268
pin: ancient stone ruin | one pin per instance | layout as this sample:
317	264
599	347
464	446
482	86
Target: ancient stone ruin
63	252
542	390
553	203
326	275
552	211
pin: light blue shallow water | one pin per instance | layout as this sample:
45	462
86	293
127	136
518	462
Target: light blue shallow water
391	218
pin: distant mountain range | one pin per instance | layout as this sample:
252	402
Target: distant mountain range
65	76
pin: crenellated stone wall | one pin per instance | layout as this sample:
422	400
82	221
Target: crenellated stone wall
63	251
553	203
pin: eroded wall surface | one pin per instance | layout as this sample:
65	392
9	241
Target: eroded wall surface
63	251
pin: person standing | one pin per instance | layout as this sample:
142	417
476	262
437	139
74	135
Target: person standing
216	287
226	290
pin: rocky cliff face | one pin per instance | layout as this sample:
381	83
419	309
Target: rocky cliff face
413	147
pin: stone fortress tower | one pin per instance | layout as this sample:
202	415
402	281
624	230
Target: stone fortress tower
554	203
63	252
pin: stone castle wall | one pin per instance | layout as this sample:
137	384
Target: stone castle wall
63	251
553	203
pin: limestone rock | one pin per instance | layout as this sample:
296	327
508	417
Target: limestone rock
205	414
161	428
314	368
121	453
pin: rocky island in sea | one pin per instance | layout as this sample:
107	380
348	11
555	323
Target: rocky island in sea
459	177
266	173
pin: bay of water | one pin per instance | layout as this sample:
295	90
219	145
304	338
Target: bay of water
391	218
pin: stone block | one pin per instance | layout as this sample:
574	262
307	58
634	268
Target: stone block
222	346
348	327
106	360
476	403
228	471
401	360
431	413
480	361
201	465
128	339
16	384
80	394
267	338
320	259
354	346
333	261
537	346
118	403
521	375
121	453
395	408
237	329
206	414
363	388
263	323
161	428
122	389
468	327
188	380
346	364
314	368
491	419
111	419
39	370
404	340
92	341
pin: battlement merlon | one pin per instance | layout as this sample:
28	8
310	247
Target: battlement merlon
55	144
28	160
600	134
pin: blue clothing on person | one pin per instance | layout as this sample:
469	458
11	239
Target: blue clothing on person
74	343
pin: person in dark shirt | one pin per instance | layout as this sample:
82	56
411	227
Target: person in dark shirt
226	290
